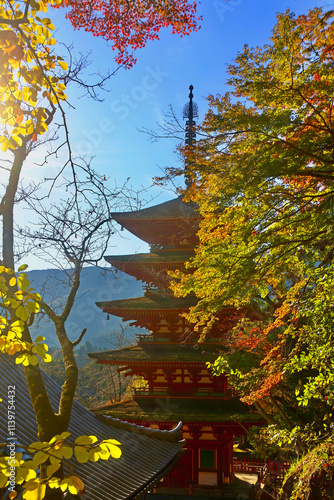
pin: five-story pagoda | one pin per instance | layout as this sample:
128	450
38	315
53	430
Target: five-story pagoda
179	386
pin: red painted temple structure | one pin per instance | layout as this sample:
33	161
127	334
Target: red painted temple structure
179	386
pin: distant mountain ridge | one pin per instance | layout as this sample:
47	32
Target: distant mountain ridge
96	285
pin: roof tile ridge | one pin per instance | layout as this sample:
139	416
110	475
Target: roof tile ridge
92	354
174	435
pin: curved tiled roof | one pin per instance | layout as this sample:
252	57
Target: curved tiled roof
154	352
157	257
152	267
168	209
152	303
147	455
169	409
171	223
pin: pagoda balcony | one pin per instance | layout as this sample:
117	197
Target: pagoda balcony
141	338
146	392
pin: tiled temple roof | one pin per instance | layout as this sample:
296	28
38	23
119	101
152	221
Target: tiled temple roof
172	223
151	303
169	409
147	454
156	257
168	209
154	352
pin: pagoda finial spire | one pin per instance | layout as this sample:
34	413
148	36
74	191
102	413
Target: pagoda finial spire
190	111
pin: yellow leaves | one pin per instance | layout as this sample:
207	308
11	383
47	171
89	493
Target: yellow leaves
17	327
84	449
59	439
63	65
13	348
85	440
48	23
72	483
17	295
12	281
54	451
27	69
27	359
5	143
61	95
23	472
43	32
112	446
22	313
77	483
31	351
34	490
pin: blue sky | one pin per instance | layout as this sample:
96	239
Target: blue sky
164	70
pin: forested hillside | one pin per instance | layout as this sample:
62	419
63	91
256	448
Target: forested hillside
96	285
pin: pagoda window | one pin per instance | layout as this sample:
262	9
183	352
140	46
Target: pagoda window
163	329
207	459
207	434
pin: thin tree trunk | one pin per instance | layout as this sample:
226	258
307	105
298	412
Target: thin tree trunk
71	375
7	205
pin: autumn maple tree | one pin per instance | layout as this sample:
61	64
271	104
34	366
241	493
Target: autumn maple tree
262	176
33	85
130	25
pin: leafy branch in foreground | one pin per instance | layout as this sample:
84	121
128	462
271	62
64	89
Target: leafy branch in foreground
51	457
18	297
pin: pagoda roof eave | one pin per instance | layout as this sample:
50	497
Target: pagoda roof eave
173	352
172	221
147	364
146	304
174	208
178	256
191	411
151	268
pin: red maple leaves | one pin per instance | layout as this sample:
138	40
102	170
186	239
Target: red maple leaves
130	25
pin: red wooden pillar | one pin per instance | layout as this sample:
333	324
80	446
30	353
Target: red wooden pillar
219	465
195	435
195	464
150	381
230	456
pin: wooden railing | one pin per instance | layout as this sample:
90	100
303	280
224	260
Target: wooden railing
144	338
274	468
246	464
144	391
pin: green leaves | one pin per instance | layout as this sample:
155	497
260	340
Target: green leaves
263	180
